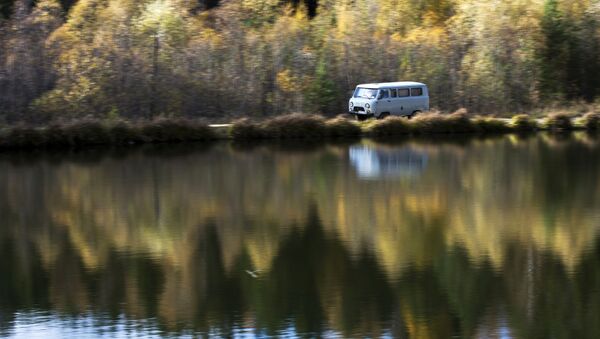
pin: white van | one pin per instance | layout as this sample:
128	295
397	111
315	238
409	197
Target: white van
405	98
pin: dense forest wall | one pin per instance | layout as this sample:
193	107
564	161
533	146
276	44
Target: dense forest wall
139	59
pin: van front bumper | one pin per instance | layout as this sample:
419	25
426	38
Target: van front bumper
362	114
360	110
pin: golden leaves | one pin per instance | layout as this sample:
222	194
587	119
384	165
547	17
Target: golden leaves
287	82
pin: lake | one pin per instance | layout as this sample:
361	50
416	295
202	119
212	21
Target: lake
495	237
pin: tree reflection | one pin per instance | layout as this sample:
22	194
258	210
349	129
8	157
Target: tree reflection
490	237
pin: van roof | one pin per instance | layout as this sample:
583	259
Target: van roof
392	84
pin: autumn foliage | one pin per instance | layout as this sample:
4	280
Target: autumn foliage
110	59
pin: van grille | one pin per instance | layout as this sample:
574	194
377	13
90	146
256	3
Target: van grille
358	109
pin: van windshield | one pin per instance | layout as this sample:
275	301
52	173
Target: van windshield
369	93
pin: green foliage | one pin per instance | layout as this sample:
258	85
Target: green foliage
6	7
553	54
323	90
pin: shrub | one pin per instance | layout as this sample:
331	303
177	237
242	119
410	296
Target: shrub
558	122
342	127
23	137
246	129
87	132
175	130
295	126
429	123
56	136
457	122
490	125
390	126
123	132
591	121
523	123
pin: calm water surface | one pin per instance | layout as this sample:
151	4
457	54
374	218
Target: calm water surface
413	239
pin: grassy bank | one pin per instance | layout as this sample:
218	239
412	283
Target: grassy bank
87	133
303	126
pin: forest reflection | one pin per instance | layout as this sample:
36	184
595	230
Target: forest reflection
492	237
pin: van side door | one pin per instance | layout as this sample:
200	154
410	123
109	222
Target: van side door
384	102
403	101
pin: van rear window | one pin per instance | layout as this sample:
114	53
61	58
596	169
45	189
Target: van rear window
416	92
403	92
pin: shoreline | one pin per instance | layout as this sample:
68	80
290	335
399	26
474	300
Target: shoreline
293	127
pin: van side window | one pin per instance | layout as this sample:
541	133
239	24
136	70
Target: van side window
383	94
393	93
416	92
403	92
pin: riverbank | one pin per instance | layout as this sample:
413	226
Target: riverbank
87	133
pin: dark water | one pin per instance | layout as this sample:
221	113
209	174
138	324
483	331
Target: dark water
414	239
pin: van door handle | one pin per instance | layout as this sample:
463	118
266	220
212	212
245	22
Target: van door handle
389	101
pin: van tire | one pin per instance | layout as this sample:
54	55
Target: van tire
383	115
413	114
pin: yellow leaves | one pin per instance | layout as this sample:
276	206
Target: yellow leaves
47	12
287	82
211	37
259	12
429	36
344	22
162	19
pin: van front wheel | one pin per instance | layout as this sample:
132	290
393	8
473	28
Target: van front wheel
383	115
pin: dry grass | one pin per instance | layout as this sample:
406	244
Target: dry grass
245	128
591	121
433	123
558	122
87	132
90	132
56	137
175	130
389	127
485	125
342	128
523	123
22	137
295	126
123	133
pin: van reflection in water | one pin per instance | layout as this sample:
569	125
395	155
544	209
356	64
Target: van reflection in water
375	162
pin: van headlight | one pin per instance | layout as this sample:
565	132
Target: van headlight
351	104
367	106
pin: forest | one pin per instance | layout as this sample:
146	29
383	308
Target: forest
222	59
